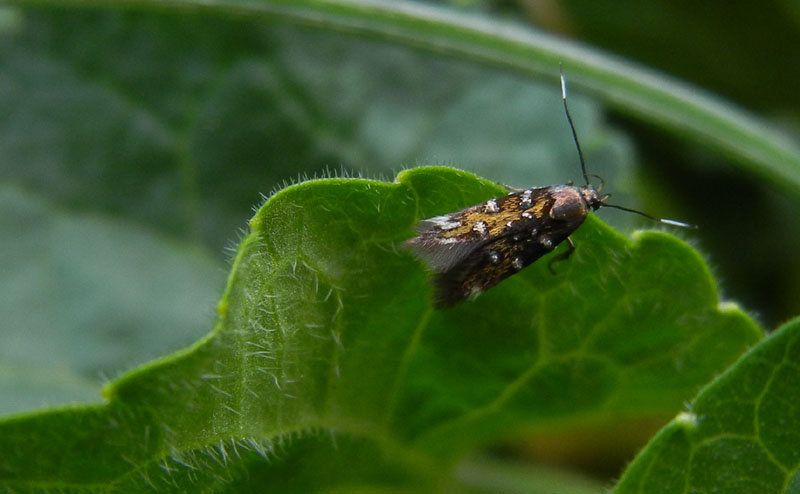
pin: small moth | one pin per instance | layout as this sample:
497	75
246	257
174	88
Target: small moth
474	249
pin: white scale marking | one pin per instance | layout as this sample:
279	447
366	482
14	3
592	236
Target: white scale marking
481	228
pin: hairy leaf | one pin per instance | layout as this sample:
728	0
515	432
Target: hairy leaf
328	370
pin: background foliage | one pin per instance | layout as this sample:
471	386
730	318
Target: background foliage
134	145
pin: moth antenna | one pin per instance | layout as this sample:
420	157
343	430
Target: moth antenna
586	176
571	124
664	221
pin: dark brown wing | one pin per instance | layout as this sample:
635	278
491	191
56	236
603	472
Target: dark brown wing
488	266
443	241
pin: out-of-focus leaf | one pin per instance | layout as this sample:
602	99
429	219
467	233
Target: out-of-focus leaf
84	296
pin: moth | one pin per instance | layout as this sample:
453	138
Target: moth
472	250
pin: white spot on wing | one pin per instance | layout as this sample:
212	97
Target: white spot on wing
526	198
443	223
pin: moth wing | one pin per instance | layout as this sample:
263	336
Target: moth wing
437	247
440	257
485	267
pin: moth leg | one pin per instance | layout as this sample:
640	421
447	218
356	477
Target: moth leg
562	256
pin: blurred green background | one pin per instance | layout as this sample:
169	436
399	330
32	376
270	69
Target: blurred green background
748	53
135	145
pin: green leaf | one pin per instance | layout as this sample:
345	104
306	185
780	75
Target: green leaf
328	371
740	434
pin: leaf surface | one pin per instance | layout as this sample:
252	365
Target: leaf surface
740	434
327	368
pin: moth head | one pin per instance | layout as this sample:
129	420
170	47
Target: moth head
593	198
